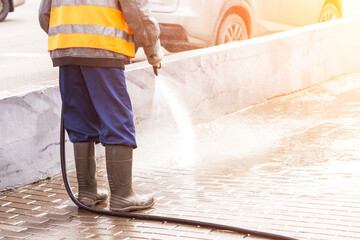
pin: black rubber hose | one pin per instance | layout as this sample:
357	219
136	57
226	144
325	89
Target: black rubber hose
151	217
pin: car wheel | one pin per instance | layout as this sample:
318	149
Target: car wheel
329	12
4	9
232	28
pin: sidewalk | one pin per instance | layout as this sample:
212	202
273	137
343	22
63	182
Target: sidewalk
289	166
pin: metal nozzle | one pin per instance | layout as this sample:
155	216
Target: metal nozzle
156	68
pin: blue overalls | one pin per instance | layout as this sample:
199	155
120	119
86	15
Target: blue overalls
96	105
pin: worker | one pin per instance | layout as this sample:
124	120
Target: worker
91	42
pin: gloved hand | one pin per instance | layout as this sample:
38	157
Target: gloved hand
156	59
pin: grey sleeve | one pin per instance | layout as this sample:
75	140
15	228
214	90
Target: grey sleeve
44	14
145	27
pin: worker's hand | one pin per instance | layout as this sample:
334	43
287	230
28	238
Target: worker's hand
156	59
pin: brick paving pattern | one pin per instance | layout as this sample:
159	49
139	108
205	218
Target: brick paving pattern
300	178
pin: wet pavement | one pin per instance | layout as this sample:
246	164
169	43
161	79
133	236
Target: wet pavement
288	166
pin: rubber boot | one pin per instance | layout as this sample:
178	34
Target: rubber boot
119	170
89	195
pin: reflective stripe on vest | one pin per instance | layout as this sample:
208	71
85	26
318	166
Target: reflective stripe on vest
90	24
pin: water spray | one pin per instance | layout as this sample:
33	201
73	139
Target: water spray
152	217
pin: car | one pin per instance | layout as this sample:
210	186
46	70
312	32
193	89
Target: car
7	6
189	24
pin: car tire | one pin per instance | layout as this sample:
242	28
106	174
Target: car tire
232	28
4	9
329	12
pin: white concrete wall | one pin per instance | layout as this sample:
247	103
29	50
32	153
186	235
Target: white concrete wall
224	79
213	82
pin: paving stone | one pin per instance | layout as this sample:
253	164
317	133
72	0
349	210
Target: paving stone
11	228
31	219
13	234
9	221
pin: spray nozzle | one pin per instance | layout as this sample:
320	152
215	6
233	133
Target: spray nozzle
156	68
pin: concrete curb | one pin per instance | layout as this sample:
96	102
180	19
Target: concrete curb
211	82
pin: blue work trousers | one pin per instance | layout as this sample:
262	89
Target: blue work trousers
96	105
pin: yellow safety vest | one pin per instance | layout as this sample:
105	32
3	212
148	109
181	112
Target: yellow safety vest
98	24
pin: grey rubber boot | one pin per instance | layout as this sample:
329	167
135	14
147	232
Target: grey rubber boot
89	195
119	170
